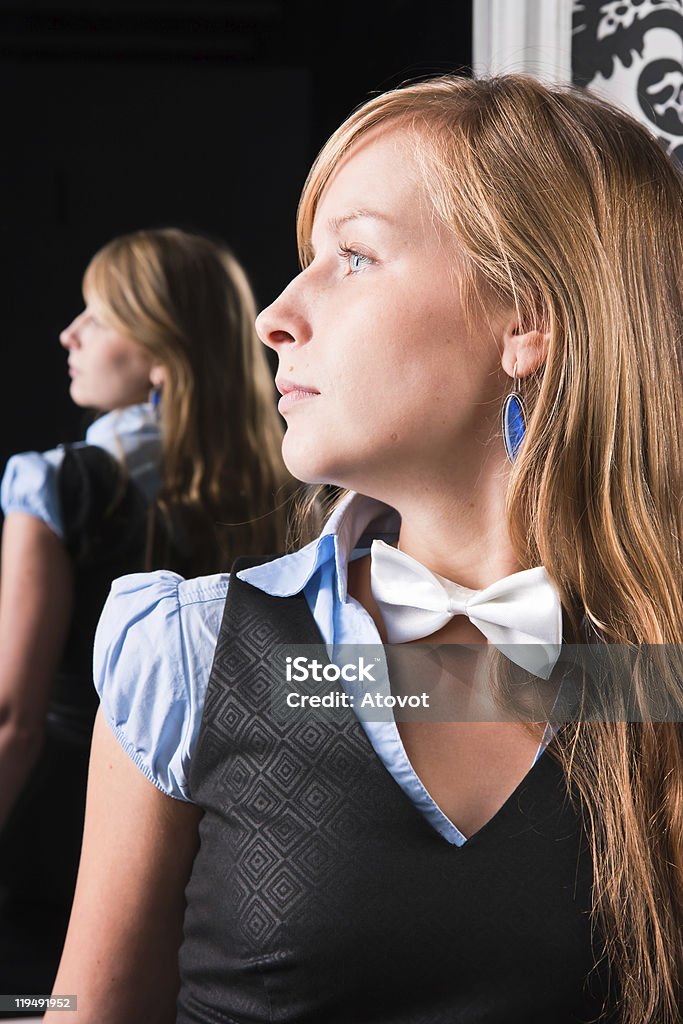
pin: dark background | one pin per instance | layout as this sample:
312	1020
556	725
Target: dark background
202	114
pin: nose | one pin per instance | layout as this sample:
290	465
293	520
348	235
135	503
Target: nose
286	320
70	335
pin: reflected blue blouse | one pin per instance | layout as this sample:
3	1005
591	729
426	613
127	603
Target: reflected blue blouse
132	434
156	637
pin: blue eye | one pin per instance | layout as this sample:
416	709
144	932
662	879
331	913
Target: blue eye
356	261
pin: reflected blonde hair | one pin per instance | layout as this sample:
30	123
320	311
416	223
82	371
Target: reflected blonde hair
186	300
568	209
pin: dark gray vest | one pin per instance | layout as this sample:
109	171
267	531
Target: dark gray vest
321	894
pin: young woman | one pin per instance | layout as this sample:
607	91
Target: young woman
461	241
164	350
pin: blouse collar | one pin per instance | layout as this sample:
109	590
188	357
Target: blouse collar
355	522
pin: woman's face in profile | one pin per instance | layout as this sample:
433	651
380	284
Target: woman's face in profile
383	378
107	369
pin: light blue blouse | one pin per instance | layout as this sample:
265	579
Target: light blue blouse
132	434
156	637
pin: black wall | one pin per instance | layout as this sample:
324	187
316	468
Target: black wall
199	114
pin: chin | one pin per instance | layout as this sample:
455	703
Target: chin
308	463
77	396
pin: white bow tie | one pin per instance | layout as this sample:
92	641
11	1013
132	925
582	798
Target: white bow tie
513	613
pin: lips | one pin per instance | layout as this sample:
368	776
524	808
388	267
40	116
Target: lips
293	393
285	387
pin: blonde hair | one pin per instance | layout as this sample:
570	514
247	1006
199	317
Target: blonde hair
187	301
567	208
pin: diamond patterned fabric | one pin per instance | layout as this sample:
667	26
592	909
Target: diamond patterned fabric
321	894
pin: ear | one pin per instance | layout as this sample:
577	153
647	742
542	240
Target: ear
527	350
157	375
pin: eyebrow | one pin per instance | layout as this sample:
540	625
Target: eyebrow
335	223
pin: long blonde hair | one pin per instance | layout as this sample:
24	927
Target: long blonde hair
567	207
186	300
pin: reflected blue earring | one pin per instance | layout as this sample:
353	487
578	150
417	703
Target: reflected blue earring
514	419
155	398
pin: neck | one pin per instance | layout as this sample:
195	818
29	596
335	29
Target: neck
460	531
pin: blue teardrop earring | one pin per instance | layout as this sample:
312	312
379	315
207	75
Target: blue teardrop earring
155	398
514	419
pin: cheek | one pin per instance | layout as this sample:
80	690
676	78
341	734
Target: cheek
125	360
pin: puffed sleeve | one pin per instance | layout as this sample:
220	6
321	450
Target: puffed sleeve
29	484
153	652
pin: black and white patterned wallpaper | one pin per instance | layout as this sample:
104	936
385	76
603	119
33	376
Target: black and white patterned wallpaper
631	51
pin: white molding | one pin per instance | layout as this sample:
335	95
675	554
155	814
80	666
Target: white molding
531	36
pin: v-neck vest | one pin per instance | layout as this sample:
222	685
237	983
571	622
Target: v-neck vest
320	893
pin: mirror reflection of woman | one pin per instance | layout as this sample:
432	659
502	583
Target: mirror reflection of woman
186	442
